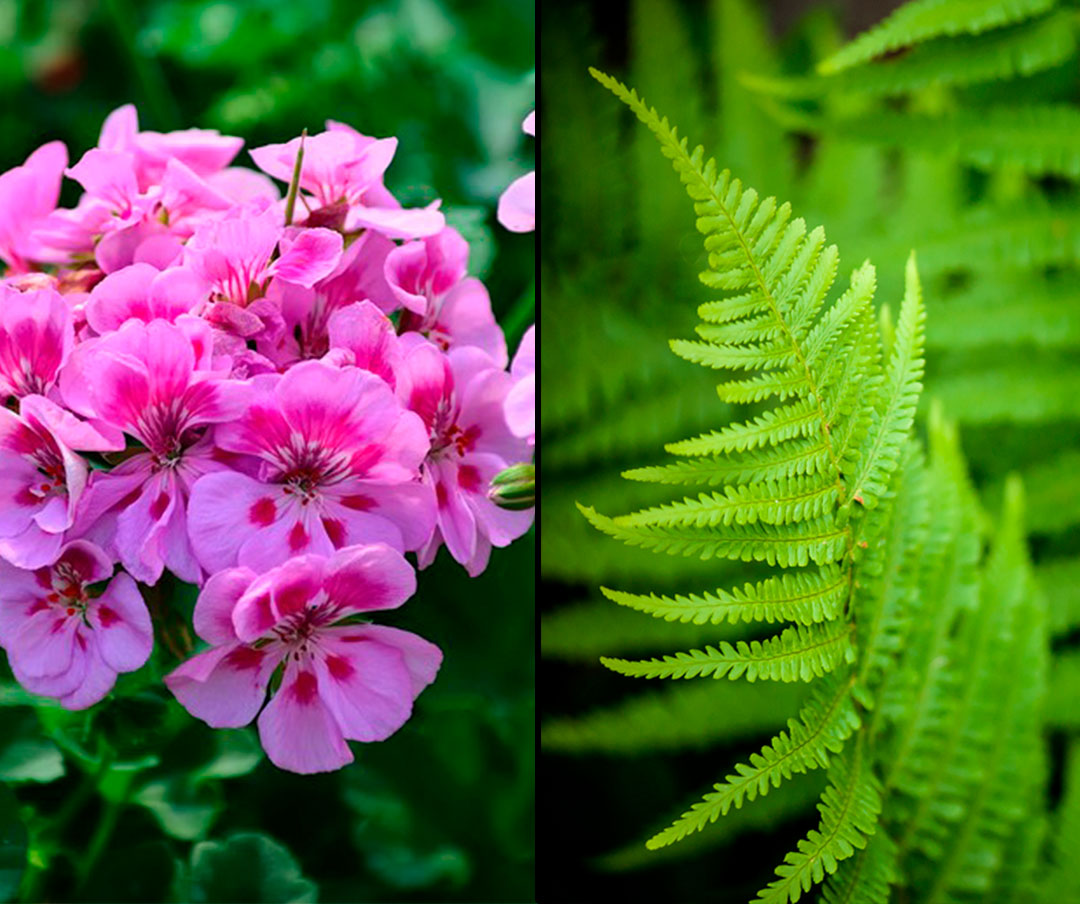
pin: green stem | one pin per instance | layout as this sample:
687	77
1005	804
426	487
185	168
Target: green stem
294	183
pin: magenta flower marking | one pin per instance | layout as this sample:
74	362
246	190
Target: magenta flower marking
460	396
36	337
340	681
63	640
339	466
517	205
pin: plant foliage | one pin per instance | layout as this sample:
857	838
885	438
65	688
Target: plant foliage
896	621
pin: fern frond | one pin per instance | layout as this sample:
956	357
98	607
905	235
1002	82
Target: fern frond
819	731
798	419
849	810
819	541
796	654
1015	50
921	20
805	597
895	413
584	631
771	502
790	459
866	877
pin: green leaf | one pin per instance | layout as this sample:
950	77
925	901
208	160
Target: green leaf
182	808
247	867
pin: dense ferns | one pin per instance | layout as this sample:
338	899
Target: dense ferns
902	626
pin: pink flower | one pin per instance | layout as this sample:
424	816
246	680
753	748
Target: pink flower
340	682
153	382
517	205
306	312
521	400
460	397
234	256
28	194
204	151
342	174
363	336
41	477
339	465
441	302
36	337
62	641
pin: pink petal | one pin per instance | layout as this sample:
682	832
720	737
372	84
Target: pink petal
369	578
297	729
365	331
275	596
98	679
529	125
214	609
308	257
456	520
366	686
422	658
109	175
521	408
401	515
122	625
467	318
225	686
394	223
225	509
517	205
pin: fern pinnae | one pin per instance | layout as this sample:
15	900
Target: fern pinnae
772	502
896	412
793	459
827	720
796	654
805	597
849	808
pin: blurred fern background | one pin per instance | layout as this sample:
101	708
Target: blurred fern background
445	811
963	147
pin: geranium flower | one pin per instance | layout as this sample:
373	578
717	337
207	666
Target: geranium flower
339	462
41	477
65	641
36	337
440	300
341	681
152	381
460	397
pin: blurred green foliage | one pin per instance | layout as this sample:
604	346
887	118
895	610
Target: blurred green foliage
135	800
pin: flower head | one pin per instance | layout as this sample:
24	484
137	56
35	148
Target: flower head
62	639
341	680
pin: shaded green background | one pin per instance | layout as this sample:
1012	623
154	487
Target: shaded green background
134	800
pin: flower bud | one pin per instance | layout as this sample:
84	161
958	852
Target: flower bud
515	487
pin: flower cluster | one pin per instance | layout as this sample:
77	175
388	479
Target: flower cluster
272	394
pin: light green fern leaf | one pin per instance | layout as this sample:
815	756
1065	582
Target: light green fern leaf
796	654
924	19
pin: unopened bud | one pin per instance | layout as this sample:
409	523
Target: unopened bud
514	488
